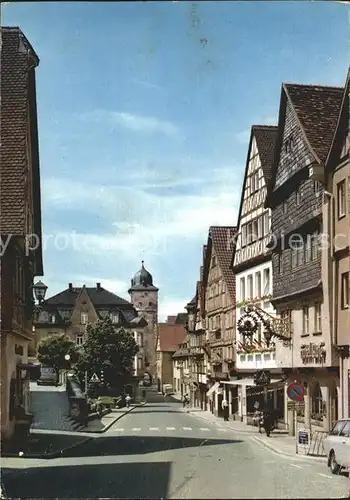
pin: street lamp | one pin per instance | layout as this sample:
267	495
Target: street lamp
67	357
39	289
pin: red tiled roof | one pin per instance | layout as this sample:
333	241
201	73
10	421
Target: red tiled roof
317	108
222	238
170	336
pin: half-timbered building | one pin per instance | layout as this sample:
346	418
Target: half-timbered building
219	313
253	273
308	116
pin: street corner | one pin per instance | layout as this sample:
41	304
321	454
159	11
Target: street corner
285	450
99	426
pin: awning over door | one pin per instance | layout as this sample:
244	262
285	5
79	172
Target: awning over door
213	389
250	382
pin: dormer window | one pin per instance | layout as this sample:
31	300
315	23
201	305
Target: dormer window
289	144
114	317
298	196
52	318
84	318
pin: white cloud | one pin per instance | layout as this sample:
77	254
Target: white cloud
171	308
141	221
137	123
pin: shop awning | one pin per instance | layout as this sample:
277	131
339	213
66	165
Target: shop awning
213	388
250	382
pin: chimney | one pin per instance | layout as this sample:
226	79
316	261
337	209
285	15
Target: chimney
98	286
70	285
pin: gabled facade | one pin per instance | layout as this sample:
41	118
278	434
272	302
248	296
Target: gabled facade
252	267
170	337
336	256
20	217
307	119
218	297
72	310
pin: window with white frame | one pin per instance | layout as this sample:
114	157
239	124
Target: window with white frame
345	299
258	284
255	230
244	235
250	286
114	317
318	317
84	318
242	288
307	247
139	363
249	232
341	199
306	329
260	227
80	340
314	246
266	223
267	281
52	318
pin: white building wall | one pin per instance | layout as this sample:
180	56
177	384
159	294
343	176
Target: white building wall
258	291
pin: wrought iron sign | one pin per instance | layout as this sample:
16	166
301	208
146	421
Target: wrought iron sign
248	325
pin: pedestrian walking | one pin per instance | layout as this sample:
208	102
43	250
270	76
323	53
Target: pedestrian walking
127	400
185	400
225	408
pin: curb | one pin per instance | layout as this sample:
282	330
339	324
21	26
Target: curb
106	427
287	455
239	431
46	456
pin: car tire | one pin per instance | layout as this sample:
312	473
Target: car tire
333	464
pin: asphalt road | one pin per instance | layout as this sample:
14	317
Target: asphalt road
159	451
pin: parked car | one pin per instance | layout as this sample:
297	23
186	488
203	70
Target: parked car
337	446
48	376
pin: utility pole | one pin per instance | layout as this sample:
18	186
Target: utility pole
86	382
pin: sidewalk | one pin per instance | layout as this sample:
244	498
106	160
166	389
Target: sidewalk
51	444
103	424
279	442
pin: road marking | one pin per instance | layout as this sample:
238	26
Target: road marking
187	428
295	465
222	430
170	428
154	428
136	429
324	475
204	429
120	430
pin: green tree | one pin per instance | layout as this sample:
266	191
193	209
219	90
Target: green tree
109	349
53	349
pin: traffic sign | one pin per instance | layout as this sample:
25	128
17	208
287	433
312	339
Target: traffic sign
94	378
296	391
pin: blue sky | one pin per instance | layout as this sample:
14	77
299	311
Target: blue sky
144	118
